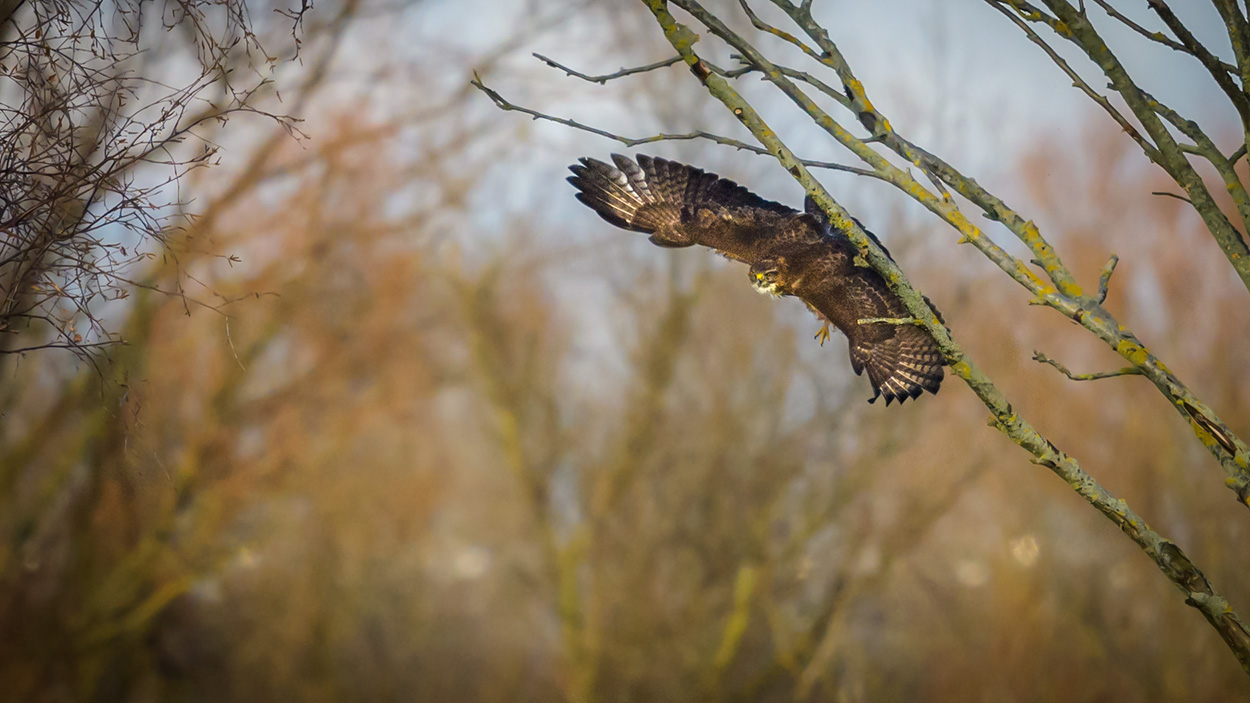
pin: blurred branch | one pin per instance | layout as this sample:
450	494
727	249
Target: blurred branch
905	537
8	8
509	393
745	585
1127	371
657	367
77	346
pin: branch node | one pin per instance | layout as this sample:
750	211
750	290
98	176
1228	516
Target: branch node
1104	280
1171	195
1217	433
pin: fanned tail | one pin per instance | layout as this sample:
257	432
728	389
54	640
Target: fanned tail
901	367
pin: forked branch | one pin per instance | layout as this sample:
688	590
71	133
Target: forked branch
1126	371
503	104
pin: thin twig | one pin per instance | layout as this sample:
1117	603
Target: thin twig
1100	99
234	352
794	73
1104	280
1126	371
75	346
608	76
1236	155
785	36
1171	195
1159	37
1218	69
503	104
1069	25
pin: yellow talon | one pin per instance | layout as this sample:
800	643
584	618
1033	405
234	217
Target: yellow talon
823	335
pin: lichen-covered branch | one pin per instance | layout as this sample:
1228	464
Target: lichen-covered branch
1066	295
1102	101
1073	25
1158	37
1104	278
1165	554
1127	371
1189	44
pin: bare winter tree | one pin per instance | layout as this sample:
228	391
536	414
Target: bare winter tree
104	106
1176	143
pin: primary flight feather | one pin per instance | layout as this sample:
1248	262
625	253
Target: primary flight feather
789	252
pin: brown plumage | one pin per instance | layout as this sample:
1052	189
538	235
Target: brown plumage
789	252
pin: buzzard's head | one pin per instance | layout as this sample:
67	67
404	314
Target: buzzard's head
766	276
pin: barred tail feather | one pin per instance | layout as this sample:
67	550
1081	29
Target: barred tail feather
903	366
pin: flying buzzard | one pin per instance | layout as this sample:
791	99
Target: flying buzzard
790	253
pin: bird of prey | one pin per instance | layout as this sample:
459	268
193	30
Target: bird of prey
789	252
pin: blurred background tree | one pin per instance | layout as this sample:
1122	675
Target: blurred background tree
395	419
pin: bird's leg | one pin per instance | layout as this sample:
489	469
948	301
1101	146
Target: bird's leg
823	335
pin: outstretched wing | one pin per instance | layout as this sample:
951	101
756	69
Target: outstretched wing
679	205
902	361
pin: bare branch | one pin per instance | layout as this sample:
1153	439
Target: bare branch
785	36
1159	37
1126	371
1149	149
1237	154
1070	25
608	76
503	104
788	72
88	143
1104	279
1172	195
74	346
